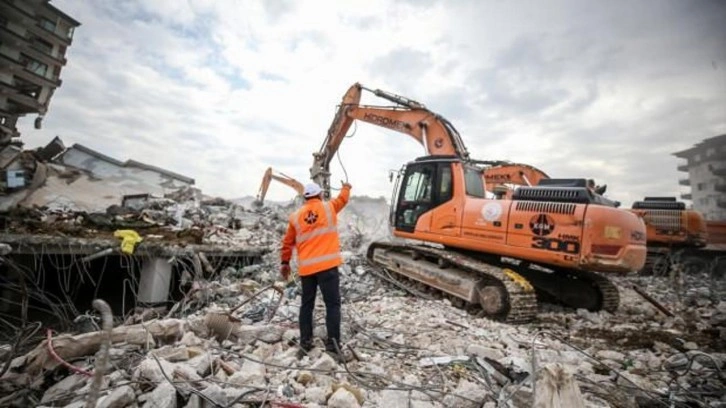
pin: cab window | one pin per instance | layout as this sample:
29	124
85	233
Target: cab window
474	183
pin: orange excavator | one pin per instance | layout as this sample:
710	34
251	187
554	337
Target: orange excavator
677	235
270	175
494	256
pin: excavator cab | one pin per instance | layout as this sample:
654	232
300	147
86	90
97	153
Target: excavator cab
428	183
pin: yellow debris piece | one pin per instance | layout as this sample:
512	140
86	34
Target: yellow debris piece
129	239
519	280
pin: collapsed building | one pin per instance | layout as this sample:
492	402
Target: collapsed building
83	225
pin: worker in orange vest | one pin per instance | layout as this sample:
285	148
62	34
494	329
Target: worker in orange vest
313	231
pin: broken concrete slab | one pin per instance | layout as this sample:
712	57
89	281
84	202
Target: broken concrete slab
118	398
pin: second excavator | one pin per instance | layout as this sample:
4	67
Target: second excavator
680	236
270	175
494	256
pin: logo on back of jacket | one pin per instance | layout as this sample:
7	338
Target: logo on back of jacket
311	217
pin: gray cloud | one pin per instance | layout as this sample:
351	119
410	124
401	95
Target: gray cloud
401	68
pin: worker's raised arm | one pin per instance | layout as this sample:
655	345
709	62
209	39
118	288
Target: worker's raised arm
342	199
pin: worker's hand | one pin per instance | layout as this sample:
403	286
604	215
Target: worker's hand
285	272
346	184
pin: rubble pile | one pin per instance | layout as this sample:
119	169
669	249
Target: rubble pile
236	346
184	216
232	342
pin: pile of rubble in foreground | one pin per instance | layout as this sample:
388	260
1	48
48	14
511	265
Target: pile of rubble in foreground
232	343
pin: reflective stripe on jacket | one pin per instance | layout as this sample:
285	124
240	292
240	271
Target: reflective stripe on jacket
313	230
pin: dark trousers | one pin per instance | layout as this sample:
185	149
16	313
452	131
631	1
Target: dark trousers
329	283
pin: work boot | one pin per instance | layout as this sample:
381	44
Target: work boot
304	350
330	345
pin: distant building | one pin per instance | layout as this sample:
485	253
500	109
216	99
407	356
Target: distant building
34	38
706	168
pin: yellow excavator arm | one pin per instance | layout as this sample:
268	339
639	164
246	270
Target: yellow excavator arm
270	175
434	132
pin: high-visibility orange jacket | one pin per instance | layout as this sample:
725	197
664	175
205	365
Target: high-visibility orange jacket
313	231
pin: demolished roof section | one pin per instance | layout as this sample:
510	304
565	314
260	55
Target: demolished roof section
78	178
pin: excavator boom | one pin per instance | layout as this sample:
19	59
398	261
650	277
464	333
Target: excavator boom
270	175
435	133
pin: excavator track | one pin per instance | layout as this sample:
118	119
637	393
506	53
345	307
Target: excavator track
500	292
575	288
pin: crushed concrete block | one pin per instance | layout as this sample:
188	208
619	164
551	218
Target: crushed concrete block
266	333
471	391
149	370
201	363
186	373
118	398
484	352
163	396
172	354
195	401
357	393
215	393
611	355
393	398
251	373
317	395
342	398
190	339
325	363
66	387
557	388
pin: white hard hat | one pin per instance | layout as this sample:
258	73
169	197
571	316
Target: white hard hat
312	190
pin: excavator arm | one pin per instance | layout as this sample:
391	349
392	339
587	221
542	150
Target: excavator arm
434	132
270	175
499	176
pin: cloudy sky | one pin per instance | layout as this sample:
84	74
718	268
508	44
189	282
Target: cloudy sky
221	89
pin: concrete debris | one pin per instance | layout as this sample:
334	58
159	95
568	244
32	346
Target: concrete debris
342	398
556	388
118	398
163	396
324	363
231	342
431	361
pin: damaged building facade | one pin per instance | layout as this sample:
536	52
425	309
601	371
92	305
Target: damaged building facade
34	38
706	169
77	224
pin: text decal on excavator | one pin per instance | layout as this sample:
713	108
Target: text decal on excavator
556	244
386	122
543	225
